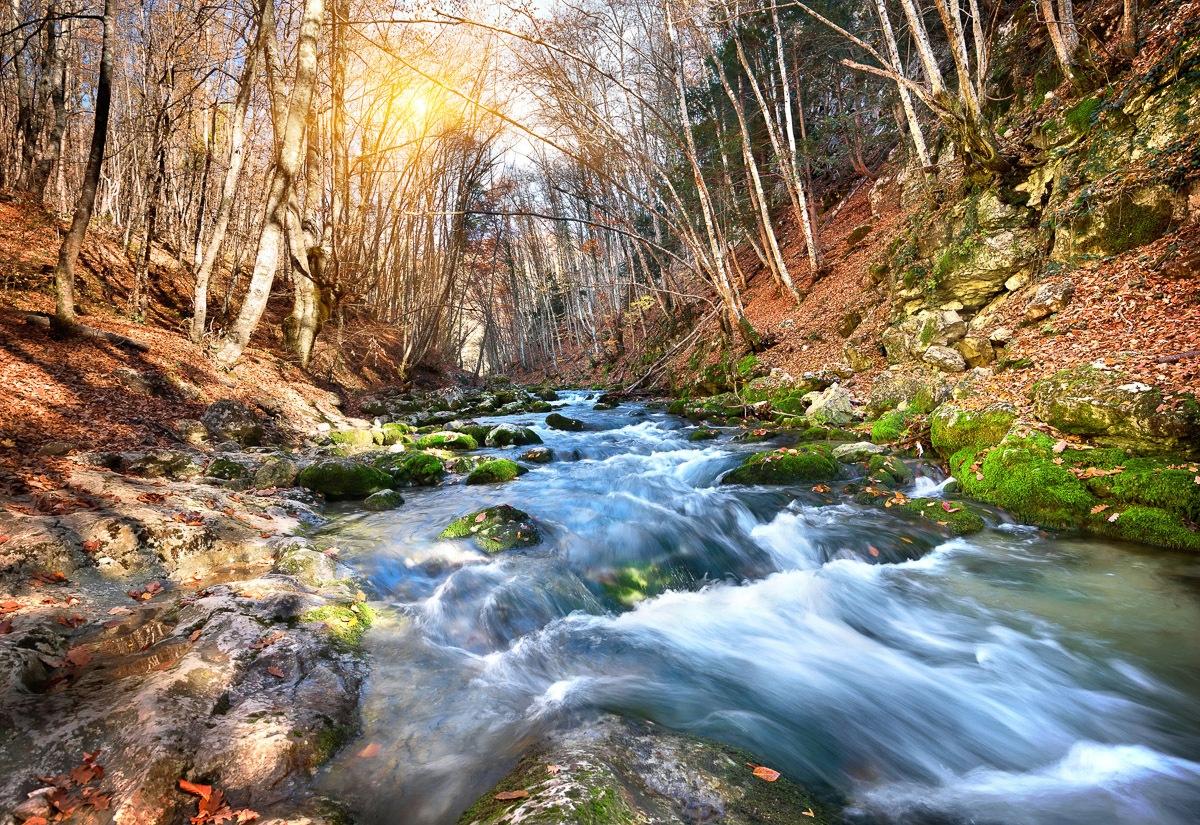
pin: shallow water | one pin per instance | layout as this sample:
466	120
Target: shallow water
1009	677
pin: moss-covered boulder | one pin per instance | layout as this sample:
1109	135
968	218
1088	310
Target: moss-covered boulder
353	439
226	468
624	772
448	440
1116	411
477	431
784	466
893	426
175	464
889	471
344	478
952	428
345	622
830	408
917	389
1059	487
413	469
394	433
495	529
956	517
634	583
276	472
703	434
495	471
558	421
510	435
856	451
383	500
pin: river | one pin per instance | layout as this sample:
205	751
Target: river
1008	677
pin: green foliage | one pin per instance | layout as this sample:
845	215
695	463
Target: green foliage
893	426
346	623
340	478
1082	115
703	434
952	428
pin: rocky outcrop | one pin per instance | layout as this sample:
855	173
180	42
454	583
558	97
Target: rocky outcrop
621	772
229	420
557	421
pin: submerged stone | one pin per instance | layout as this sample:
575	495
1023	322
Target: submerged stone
413	469
538	455
558	421
383	500
507	435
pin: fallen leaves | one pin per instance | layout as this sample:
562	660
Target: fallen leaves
370	751
766	774
91	545
41	578
1094	472
212	805
950	508
147	593
1099	508
267	641
554	770
509	796
276	672
67	793
10	607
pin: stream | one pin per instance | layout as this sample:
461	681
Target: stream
1006	677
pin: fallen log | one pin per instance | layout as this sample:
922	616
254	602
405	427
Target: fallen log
82	331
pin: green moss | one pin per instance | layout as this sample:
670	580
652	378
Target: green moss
346	622
1148	525
448	440
225	468
677	406
703	434
479	432
413	469
1082	115
953	428
353	439
784	466
383	500
495	529
746	366
1149	482
495	471
341	478
960	519
635	583
558	421
892	426
893	467
508	435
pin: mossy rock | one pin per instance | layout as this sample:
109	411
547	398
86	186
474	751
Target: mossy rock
353	439
703	434
508	435
784	466
1023	475
276	472
495	471
344	478
345	622
413	469
892	466
462	465
677	407
893	426
226	468
953	428
495	529
604	406
558	421
756	435
958	518
1131	220
308	565
479	432
448	440
634	583
383	500
540	407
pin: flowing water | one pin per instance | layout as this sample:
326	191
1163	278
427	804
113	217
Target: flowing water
1008	677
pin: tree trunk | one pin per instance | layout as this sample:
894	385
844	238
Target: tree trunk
287	166
64	271
1129	28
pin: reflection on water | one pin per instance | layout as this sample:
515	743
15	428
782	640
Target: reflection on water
1004	678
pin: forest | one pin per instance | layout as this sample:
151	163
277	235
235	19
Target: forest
599	411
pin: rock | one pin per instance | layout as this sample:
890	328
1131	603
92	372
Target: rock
703	434
945	359
352	440
142	383
495	471
1001	336
538	455
557	421
995	257
495	529
631	771
227	447
343	478
447	440
510	435
191	431
953	428
909	340
831	407
276	472
857	357
893	426
310	566
1115	411
1049	299
915	389
784	466
1128	221
889	470
413	469
858	451
958	518
849	323
56	449
229	420
976	350
383	500
226	469
174	464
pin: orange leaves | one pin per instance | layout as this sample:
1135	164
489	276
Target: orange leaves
212	806
10	607
147	593
40	578
509	795
276	672
72	622
821	488
874	551
91	545
370	751
949	508
267	641
764	773
1094	472
1099	508
70	792
152	498
554	770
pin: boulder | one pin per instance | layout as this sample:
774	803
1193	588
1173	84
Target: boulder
1130	220
383	500
343	478
953	428
976	277
142	383
945	359
915	389
831	407
174	464
495	529
976	350
412	469
617	770
538	455
1115	411
447	440
858	451
229	420
1047	300
849	323
558	421
703	434
784	466
276	472
909	340
507	435
857	356
191	431
1001	336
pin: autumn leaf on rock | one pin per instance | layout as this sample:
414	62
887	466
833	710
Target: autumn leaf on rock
267	641
276	672
766	774
554	770
1099	508
91	545
1059	447
202	791
370	751
508	796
